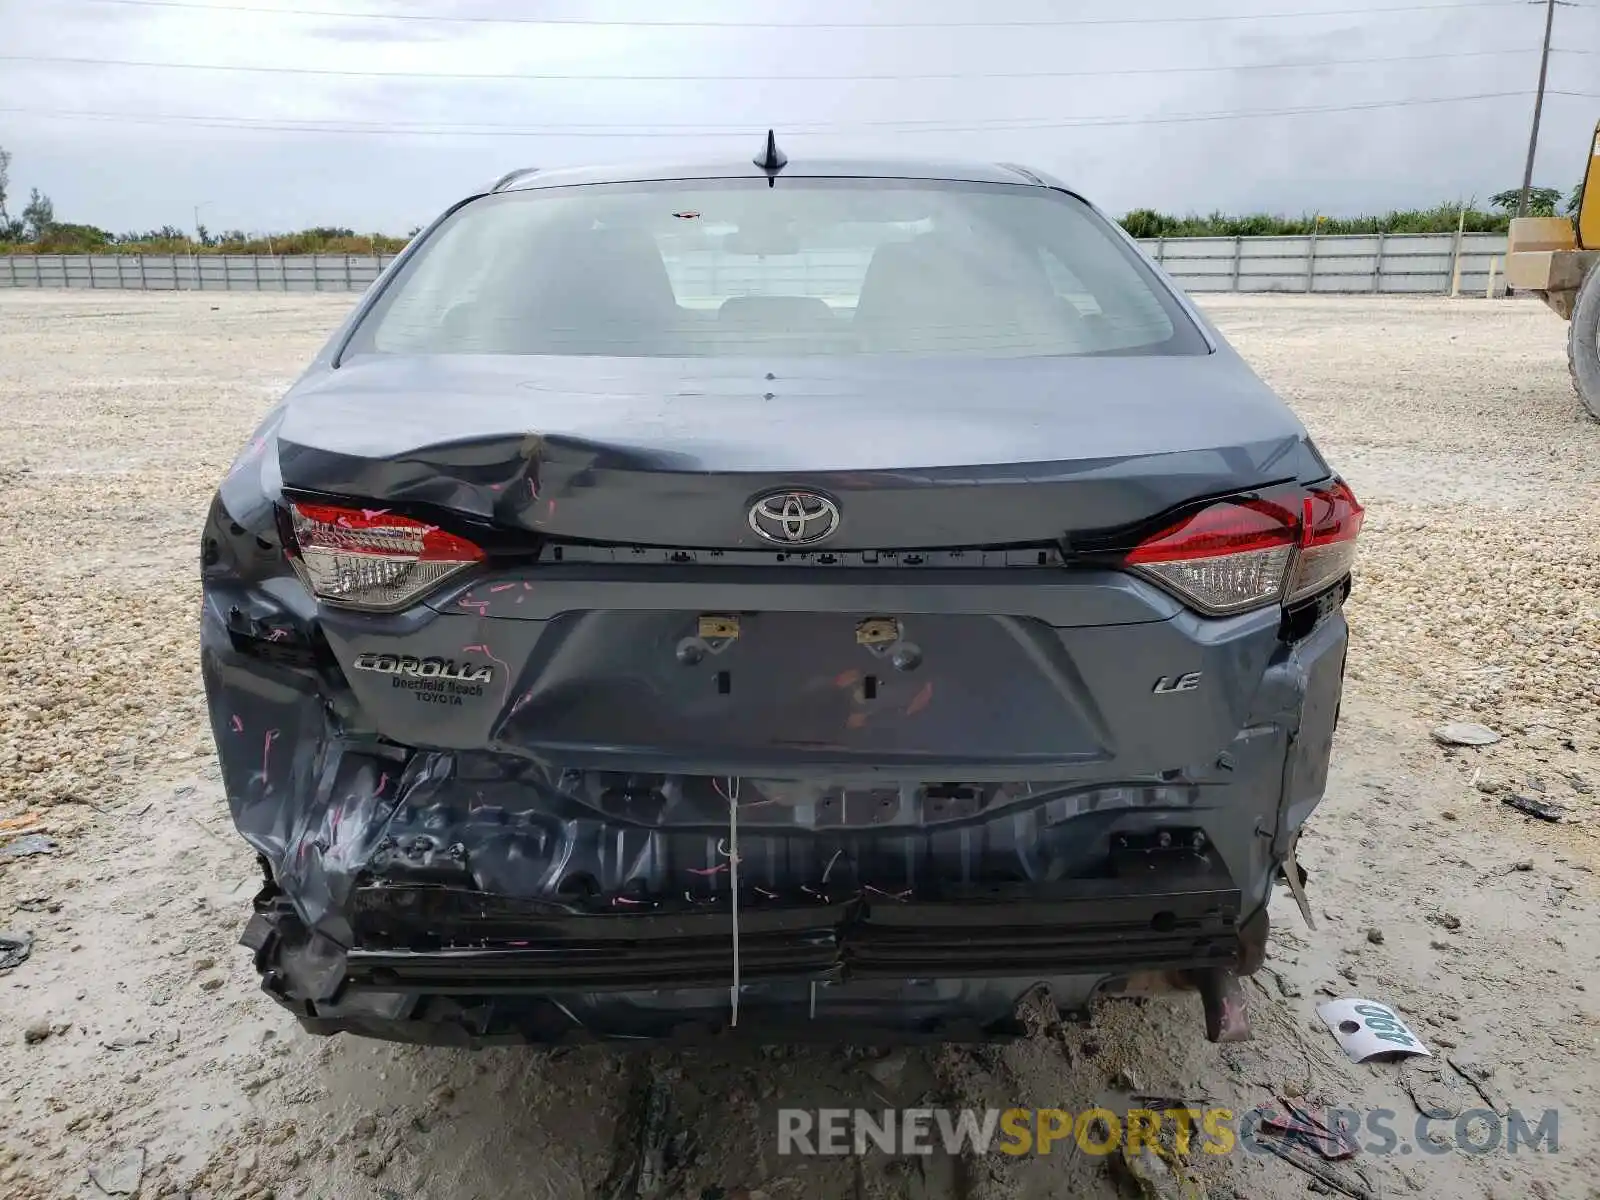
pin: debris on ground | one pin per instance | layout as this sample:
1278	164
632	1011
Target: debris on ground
1299	1124
14	949
1367	1029
1477	1075
28	844
1155	1176
1375	936
1445	920
646	1154
1464	733
36	1032
1534	808
120	1175
1351	1182
1432	1090
887	1070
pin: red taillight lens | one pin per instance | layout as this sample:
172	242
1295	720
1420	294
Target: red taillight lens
1225	558
1240	554
1330	523
371	558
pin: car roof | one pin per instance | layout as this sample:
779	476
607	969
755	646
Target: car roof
951	171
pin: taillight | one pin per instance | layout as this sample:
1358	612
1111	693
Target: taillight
1240	554
1330	521
371	558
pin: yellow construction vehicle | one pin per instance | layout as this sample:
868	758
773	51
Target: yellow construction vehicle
1559	260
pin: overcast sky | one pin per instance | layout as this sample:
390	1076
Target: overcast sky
127	161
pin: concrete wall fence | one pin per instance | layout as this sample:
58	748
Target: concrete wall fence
1392	263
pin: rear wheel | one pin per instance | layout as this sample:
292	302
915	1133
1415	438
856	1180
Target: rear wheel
1583	343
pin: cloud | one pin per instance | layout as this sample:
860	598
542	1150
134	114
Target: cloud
365	164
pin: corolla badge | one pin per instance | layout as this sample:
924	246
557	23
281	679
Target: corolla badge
794	518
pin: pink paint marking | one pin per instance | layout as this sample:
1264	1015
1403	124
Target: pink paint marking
615	900
483	649
369	513
501	587
921	700
238	725
383	782
266	751
705	872
769	895
533	488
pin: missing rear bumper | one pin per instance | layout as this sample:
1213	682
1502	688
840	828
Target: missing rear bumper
441	964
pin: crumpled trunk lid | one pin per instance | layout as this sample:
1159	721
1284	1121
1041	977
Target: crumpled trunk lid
673	453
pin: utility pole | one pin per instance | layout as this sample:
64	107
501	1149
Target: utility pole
1538	108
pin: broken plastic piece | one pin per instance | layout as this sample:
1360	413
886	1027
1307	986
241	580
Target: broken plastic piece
1465	733
1366	1029
28	844
1294	875
1534	808
14	949
1299	1124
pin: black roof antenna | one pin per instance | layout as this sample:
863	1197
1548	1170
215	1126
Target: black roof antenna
771	159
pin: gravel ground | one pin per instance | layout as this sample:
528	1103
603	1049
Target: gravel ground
134	1032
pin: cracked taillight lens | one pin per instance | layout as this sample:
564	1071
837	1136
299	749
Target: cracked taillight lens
371	558
1241	554
1330	522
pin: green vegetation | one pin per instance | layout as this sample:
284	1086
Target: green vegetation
1145	223
37	231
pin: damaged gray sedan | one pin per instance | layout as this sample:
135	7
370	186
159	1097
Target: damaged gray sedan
823	599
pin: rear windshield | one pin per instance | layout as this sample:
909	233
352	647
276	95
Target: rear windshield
809	267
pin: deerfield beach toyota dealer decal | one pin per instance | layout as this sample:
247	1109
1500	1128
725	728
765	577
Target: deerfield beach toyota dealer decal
431	680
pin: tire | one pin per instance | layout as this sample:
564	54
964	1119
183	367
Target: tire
1583	343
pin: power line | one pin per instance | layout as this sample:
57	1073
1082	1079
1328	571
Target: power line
765	77
392	129
683	23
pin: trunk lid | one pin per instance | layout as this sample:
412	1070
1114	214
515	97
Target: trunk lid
915	453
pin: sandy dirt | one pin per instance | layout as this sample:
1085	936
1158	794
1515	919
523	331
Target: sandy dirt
133	1041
